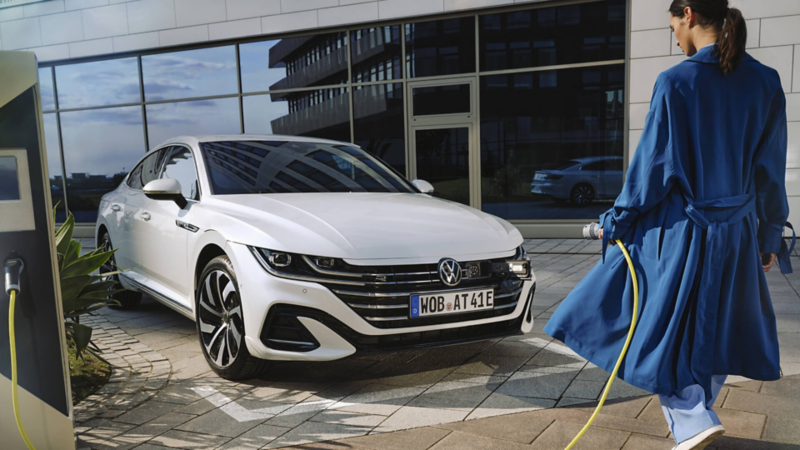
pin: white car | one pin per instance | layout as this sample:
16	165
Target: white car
288	248
581	180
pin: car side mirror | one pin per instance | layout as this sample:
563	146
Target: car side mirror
423	186
165	189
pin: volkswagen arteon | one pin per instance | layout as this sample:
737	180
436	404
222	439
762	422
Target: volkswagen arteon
290	248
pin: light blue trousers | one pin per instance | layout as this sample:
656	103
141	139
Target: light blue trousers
687	411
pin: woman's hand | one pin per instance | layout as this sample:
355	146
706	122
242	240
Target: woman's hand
767	259
600	236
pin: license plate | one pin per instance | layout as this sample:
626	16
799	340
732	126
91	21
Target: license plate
435	303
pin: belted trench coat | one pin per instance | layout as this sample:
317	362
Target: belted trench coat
703	196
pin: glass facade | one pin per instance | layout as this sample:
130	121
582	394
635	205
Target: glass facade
548	137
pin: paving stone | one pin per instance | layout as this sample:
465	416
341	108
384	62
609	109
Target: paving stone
558	435
458	440
255	438
414	417
640	442
379	399
785	387
145	432
499	404
522	428
348	418
316	432
740	423
218	423
147	412
493	365
183	439
783	429
416	439
758	403
539	382
584	389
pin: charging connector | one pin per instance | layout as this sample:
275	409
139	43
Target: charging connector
13	269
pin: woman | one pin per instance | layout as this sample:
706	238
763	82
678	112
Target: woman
703	197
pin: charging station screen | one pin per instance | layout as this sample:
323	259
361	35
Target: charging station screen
9	179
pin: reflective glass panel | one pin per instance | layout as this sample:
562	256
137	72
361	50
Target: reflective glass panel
443	161
9	179
109	82
180	166
323	113
297	62
441	100
46	88
54	166
100	147
192	73
198	117
376	54
379	126
273	167
440	47
552	142
593	31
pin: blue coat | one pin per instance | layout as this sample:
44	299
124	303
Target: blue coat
705	193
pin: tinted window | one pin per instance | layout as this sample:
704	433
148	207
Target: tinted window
110	82
100	147
46	88
277	166
542	121
379	126
168	120
147	170
9	179
54	166
180	166
193	73
440	47
599	165
294	62
593	31
321	113
442	100
376	54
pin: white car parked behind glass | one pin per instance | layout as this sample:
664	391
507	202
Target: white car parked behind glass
286	248
581	180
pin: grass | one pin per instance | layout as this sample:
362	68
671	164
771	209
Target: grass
87	375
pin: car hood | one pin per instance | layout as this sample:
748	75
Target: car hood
375	226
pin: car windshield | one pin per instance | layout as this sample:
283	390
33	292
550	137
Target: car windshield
273	167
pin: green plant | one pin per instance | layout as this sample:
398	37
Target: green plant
82	292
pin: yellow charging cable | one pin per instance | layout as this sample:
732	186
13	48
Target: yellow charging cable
624	348
13	344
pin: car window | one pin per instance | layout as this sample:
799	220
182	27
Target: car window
147	170
600	165
180	166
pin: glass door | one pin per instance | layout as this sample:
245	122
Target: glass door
441	117
442	157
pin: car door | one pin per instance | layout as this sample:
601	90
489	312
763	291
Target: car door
127	209
613	178
592	173
167	227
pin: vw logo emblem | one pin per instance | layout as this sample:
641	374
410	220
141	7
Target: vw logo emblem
449	271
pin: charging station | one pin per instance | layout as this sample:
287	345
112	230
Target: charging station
27	243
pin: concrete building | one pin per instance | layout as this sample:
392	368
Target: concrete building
479	97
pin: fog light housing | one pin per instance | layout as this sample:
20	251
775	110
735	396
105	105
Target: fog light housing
325	263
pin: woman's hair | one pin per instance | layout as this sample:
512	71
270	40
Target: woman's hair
729	23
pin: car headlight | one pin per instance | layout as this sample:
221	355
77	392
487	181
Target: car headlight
312	268
520	265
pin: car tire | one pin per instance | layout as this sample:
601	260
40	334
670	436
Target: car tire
220	323
582	194
127	299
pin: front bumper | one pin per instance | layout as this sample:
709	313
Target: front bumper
332	330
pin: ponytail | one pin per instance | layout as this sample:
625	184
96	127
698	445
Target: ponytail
729	23
731	41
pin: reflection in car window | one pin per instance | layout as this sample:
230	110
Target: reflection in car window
180	167
567	165
277	167
599	165
147	170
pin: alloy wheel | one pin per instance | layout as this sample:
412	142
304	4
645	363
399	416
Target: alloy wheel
220	318
582	195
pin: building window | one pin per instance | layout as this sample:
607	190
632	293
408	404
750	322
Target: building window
215	116
376	54
440	47
379	126
100	83
193	73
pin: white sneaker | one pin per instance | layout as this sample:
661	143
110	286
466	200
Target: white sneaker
702	439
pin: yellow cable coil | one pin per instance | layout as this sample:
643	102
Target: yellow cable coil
624	348
13	345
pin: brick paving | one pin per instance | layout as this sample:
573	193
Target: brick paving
515	392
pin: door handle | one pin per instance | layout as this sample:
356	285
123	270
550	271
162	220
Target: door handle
146	216
115	208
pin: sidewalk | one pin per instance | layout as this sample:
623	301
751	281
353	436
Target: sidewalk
503	393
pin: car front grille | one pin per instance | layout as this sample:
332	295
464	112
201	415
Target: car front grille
385	302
